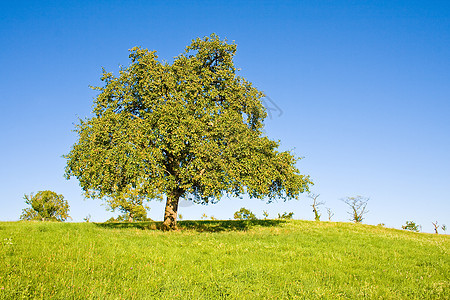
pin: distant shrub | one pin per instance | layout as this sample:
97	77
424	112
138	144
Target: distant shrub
286	216
131	204
45	206
125	218
411	226
244	214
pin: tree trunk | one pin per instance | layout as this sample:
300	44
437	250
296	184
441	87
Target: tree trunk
170	215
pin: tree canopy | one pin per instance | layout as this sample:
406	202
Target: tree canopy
189	129
45	206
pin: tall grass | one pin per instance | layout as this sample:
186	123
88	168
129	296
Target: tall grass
221	260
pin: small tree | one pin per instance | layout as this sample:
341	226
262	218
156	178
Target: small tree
131	204
244	214
330	213
436	227
315	205
45	206
265	214
411	226
358	206
286	216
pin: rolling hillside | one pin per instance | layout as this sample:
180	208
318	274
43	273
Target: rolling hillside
267	259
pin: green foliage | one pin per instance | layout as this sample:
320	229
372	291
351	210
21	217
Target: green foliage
286	216
131	204
189	129
358	206
244	214
286	260
124	218
316	215
87	218
45	206
411	226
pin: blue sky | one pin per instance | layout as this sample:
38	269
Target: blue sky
362	87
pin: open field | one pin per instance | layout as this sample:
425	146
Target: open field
221	260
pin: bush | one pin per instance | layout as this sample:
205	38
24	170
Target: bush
125	218
244	214
286	216
45	206
130	204
411	226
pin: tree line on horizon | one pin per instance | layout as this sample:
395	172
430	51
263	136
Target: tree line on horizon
50	206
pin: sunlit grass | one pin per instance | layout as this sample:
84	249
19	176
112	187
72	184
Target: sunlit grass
224	259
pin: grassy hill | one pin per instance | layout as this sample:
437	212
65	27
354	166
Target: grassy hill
221	260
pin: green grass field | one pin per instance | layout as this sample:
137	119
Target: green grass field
221	260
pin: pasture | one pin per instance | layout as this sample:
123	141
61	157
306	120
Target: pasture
263	259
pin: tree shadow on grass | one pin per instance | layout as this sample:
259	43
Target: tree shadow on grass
200	225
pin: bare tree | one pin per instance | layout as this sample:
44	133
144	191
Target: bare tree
358	206
436	227
330	213
315	205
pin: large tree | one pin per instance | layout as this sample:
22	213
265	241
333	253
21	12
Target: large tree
189	129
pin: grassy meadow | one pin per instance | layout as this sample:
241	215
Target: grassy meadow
221	260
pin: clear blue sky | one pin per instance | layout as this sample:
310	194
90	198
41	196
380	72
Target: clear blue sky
363	89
